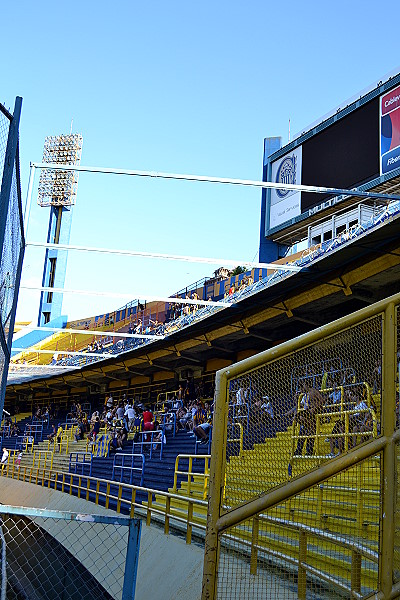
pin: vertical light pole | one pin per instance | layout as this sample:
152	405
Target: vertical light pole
57	189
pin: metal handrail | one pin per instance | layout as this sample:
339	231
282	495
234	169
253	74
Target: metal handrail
190	472
240	438
66	480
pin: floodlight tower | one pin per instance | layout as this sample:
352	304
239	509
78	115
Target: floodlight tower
58	190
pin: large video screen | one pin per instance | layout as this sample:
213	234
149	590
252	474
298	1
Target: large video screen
344	155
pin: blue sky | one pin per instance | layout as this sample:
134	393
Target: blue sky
184	87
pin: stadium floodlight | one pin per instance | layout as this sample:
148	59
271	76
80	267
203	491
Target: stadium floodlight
59	188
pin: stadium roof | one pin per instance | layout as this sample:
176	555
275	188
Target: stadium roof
359	273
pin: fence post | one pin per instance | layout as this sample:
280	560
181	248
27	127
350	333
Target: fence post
254	544
189	523
356	572
388	409
131	562
167	513
216	485
302	573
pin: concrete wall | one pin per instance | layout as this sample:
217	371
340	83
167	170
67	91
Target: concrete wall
168	568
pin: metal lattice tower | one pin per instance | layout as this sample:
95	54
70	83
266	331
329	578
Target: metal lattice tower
57	189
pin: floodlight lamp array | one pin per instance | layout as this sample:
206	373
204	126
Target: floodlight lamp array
59	188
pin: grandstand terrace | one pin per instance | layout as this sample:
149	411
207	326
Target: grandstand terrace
354	274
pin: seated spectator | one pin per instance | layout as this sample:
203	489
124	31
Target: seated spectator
109	417
168	422
203	430
53	433
334	398
15	430
184	418
361	421
80	432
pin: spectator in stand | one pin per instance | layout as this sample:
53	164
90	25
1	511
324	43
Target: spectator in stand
109	402
183	418
360	422
198	415
80	432
148	418
94	416
120	411
53	433
311	404
336	441
95	430
4	459
377	378
59	434
109	418
203	430
15	430
130	413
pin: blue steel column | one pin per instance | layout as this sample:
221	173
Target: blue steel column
132	558
268	250
60	256
9	165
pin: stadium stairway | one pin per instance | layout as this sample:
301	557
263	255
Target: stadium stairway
158	473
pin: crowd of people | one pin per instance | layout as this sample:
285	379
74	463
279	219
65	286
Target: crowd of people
176	315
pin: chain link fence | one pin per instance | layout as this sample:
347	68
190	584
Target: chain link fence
11	234
301	410
48	555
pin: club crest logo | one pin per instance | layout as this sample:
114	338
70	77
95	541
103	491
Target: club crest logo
286	174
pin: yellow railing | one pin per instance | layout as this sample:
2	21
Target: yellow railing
190	473
162	398
345	435
100	447
113	491
106	492
42	459
236	439
60	447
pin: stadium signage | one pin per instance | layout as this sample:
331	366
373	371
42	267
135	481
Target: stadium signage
286	204
323	206
390	131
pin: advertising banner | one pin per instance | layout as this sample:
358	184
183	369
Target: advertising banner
286	204
390	131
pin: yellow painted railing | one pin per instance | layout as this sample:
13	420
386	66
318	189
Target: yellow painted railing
236	439
190	473
345	435
42	459
163	397
90	488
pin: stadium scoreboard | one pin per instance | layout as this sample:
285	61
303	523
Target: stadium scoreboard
357	147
